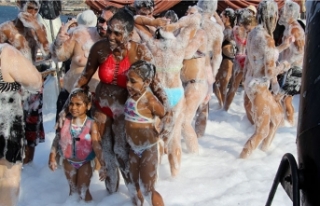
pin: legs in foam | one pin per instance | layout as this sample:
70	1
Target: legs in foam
194	95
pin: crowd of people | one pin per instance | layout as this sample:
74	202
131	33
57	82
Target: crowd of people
135	84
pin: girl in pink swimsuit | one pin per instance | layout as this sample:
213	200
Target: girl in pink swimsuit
78	143
141	108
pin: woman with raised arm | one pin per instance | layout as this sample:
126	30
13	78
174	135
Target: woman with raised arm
194	76
168	53
261	68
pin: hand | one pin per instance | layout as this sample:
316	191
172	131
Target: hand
288	40
286	65
62	117
53	165
102	174
29	21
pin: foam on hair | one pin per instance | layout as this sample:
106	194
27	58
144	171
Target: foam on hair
268	15
144	69
292	8
126	18
246	17
83	93
138	4
24	4
207	6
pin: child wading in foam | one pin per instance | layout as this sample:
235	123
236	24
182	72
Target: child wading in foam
140	109
78	143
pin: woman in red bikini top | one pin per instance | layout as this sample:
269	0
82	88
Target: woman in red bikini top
113	57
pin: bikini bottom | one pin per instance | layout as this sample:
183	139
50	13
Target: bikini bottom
77	164
105	110
174	95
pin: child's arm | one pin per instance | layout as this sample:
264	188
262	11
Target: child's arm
96	146
159	110
156	107
52	157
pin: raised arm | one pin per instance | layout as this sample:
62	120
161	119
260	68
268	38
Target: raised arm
146	21
298	48
16	67
97	52
270	60
39	31
64	44
4	32
197	47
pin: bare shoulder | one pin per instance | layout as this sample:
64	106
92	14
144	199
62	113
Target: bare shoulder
7	50
100	45
142	52
6	25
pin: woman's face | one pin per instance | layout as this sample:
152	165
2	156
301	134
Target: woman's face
224	18
135	84
31	8
116	34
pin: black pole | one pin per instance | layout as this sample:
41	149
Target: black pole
288	176
308	136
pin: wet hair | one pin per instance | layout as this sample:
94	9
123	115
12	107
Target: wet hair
145	70
206	6
112	9
170	14
292	8
138	4
228	12
125	17
238	14
23	3
268	15
84	94
246	17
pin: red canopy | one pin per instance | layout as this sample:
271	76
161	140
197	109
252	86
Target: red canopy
163	5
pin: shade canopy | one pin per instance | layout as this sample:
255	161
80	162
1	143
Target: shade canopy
180	6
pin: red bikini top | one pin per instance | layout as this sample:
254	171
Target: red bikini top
112	72
238	39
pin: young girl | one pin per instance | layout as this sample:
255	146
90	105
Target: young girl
140	109
78	143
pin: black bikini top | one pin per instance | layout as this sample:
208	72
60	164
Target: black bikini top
8	86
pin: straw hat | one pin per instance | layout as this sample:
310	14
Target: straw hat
87	18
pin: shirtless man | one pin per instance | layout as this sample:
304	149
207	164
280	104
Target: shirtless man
27	35
143	8
290	82
261	67
214	33
76	44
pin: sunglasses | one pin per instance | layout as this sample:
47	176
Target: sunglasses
101	20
